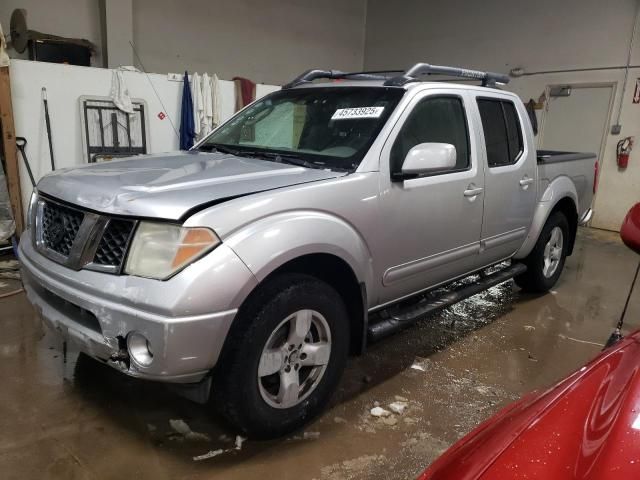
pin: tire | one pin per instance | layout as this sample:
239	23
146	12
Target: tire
544	267
264	353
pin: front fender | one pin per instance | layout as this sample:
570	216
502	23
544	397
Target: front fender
272	241
561	187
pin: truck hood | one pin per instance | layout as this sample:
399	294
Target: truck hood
171	185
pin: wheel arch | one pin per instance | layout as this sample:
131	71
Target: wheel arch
560	195
337	273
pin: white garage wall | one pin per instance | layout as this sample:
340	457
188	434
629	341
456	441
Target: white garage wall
545	35
499	34
268	41
65	84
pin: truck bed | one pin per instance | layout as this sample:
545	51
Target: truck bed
554	156
579	167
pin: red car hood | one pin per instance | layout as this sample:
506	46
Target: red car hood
585	427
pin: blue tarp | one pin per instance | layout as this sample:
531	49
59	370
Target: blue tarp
187	125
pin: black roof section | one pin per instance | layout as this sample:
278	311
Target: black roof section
414	74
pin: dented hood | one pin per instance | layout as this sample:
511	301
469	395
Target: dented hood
171	185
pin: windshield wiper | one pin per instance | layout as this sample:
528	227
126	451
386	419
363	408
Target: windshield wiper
277	157
292	159
217	147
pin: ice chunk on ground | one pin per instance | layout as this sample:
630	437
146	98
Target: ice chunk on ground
239	441
398	407
181	427
380	412
209	454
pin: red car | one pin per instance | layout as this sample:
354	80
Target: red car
585	427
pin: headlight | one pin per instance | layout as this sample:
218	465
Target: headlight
32	207
159	250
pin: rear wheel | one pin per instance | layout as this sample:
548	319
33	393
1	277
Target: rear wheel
546	260
286	356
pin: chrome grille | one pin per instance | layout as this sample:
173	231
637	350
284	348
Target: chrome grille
113	244
60	225
81	238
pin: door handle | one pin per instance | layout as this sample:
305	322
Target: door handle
473	191
526	180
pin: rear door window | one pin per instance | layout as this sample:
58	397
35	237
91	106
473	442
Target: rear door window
502	132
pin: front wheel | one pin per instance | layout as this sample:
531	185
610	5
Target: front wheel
287	355
546	260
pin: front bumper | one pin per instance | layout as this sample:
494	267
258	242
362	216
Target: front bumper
185	318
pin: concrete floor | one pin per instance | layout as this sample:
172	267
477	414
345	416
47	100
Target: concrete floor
80	419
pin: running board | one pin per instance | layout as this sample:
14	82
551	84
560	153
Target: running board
402	318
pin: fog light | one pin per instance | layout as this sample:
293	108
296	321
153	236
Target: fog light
139	349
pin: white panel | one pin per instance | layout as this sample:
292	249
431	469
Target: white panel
65	84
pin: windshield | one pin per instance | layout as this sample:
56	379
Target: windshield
327	127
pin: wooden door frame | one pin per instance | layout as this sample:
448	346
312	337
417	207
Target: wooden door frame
10	150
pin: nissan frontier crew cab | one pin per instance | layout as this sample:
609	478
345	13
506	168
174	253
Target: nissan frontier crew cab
317	219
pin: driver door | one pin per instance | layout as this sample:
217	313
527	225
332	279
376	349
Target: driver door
432	223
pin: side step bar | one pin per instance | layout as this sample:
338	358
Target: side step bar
402	318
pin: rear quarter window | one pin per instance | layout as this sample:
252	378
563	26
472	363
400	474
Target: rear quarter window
502	131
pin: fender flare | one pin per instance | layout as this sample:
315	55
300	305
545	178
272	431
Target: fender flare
260	244
560	188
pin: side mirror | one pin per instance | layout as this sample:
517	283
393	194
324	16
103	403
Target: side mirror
428	158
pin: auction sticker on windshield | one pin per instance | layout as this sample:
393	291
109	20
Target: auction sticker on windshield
360	112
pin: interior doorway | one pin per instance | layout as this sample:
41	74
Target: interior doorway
576	118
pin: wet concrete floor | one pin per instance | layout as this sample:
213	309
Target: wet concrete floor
83	420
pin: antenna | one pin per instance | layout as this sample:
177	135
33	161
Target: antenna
144	70
617	333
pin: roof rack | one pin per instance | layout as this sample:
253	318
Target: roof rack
311	75
488	79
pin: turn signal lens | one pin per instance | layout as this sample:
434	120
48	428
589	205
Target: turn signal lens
194	242
159	250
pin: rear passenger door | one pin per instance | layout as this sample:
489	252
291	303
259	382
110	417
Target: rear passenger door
510	176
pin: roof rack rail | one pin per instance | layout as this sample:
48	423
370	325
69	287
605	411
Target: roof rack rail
489	79
311	75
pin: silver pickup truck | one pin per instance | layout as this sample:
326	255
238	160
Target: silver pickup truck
318	219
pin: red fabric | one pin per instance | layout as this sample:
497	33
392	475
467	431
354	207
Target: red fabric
245	92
